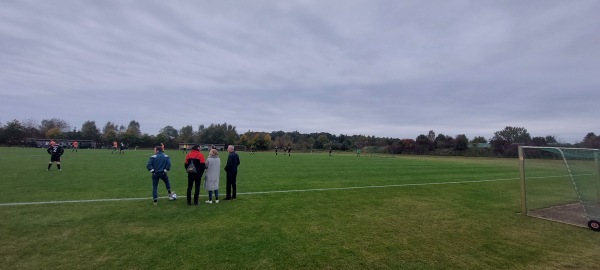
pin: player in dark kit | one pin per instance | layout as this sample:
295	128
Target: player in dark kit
55	151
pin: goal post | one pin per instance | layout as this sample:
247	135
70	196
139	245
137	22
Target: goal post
561	184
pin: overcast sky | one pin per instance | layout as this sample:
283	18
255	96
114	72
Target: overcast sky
384	68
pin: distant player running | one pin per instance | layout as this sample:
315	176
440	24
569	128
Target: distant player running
75	146
55	151
122	149
115	147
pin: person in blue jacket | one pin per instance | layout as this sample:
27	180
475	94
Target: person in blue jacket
159	164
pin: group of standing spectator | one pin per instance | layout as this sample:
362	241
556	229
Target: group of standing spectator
196	165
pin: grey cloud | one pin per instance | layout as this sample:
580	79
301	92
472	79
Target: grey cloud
384	68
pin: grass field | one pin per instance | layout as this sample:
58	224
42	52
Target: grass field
307	211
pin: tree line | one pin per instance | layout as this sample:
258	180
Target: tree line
504	142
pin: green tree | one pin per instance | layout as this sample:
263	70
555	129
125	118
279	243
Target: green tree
443	141
261	140
513	135
321	142
48	124
132	134
360	142
169	132
2	138
550	139
591	141
134	129
220	133
244	140
148	141
431	136
186	134
499	145
72	134
13	132
31	128
462	142
231	135
423	144
478	139
539	141
54	133
89	131
267	141
109	132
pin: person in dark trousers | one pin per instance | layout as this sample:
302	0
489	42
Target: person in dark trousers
233	161
197	158
55	151
122	149
159	164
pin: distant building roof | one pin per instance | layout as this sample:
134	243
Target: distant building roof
483	145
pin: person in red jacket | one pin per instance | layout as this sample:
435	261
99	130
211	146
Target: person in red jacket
196	158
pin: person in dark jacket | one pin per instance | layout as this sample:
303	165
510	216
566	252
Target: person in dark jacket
233	161
159	164
55	151
197	158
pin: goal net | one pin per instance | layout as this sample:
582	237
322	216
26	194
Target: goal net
561	184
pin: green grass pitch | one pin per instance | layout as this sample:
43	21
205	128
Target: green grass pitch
307	211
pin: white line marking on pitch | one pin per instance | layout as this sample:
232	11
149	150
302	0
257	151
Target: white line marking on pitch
266	192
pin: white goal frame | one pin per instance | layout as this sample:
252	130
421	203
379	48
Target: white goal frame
571	176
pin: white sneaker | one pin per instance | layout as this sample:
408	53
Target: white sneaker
209	201
217	201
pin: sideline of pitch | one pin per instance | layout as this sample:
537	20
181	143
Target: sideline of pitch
266	192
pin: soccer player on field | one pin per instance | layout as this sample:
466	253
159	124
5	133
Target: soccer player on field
75	146
122	149
115	146
55	151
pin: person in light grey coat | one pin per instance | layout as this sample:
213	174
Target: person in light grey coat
213	167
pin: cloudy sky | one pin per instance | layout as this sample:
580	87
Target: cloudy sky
374	67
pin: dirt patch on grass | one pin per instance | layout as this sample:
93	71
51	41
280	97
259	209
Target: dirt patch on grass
572	213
